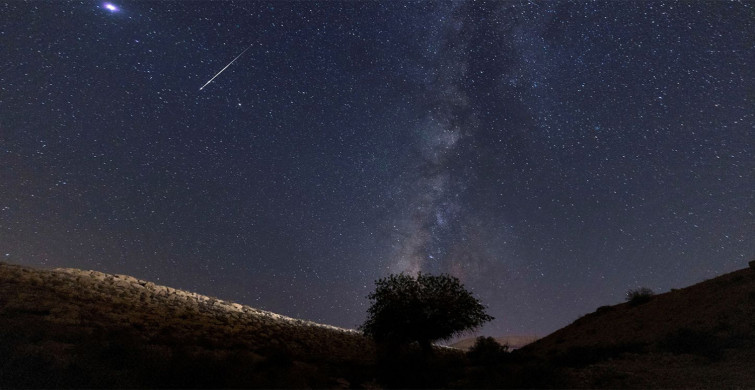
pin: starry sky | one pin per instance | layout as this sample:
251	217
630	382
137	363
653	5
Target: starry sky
551	155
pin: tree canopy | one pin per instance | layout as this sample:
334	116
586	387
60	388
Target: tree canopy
424	309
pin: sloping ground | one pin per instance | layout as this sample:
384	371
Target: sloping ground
68	327
699	336
85	329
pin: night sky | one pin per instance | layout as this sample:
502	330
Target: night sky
550	155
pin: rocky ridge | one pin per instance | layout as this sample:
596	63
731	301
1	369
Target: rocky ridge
149	291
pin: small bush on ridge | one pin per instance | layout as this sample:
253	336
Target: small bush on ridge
639	296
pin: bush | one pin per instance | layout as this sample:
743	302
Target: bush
424	309
639	296
487	351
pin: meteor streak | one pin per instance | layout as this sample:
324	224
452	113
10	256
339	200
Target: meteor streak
226	67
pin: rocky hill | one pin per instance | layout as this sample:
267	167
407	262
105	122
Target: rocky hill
699	336
68	327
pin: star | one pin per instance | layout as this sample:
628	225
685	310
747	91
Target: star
111	7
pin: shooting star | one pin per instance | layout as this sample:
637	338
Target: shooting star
226	67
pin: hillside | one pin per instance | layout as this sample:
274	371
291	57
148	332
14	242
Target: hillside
73	328
68	327
699	336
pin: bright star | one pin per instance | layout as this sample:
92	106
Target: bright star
111	7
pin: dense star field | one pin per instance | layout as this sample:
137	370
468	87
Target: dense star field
550	155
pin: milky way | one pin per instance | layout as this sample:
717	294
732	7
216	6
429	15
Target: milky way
551	155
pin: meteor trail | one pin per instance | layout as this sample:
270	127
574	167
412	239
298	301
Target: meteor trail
226	67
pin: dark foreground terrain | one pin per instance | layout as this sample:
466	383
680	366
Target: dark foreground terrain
74	328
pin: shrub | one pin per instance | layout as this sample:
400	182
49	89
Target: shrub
639	296
487	351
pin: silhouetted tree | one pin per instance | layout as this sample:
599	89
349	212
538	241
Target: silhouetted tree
424	309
